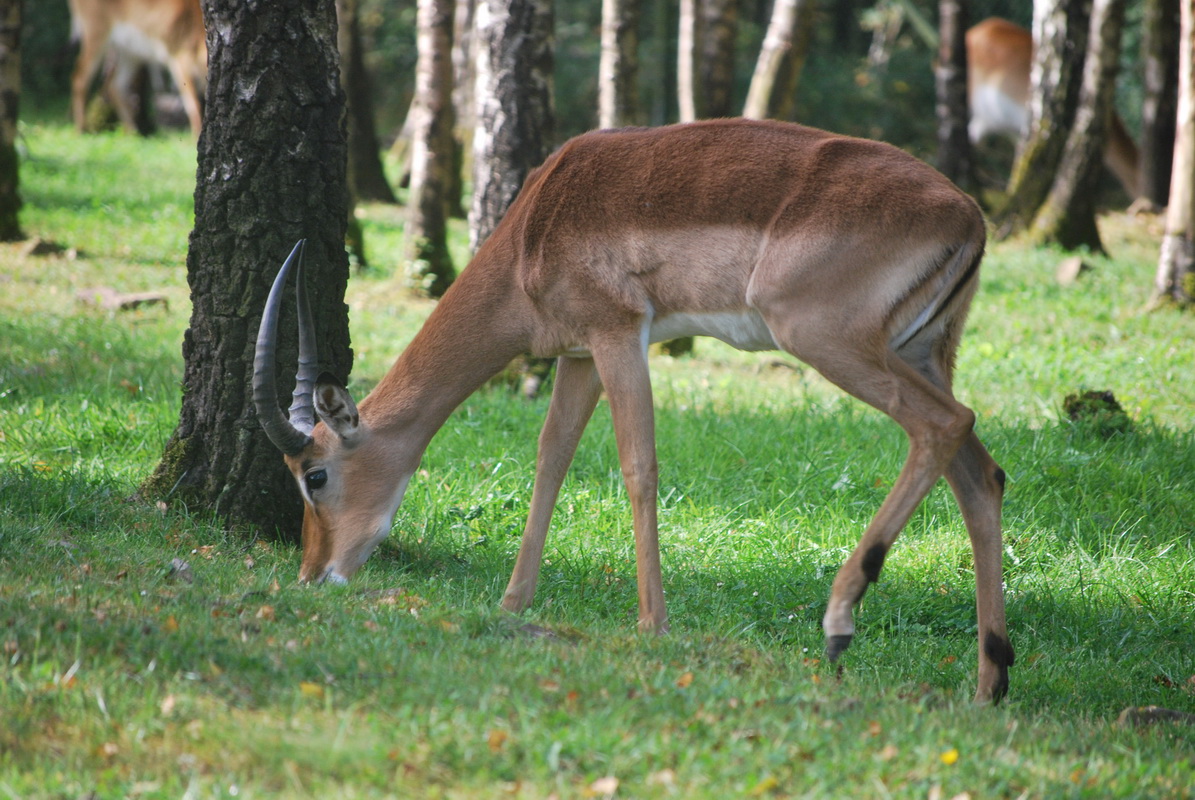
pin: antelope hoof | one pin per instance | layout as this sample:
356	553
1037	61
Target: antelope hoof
836	644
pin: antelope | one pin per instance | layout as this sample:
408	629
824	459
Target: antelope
169	32
849	254
999	57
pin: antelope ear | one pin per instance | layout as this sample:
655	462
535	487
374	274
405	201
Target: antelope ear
335	407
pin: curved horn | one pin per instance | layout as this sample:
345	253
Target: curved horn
288	435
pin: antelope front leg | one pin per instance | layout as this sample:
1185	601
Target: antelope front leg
628	386
574	395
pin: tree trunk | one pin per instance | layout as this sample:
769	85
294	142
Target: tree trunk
271	170
515	123
10	95
705	58
464	71
433	155
1067	217
1060	29
781	58
618	68
1175	279
515	120
367	179
1159	57
950	78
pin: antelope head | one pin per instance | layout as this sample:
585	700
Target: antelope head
350	480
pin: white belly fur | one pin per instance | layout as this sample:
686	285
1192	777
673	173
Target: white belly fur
744	330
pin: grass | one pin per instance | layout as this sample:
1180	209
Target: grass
151	654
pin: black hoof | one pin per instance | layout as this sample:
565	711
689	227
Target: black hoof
836	644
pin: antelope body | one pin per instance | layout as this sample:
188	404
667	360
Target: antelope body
849	254
999	58
167	32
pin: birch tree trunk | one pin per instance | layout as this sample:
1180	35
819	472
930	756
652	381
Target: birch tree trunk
515	120
433	156
781	59
1060	29
271	170
1159	62
10	95
950	78
1067	217
618	68
1175	278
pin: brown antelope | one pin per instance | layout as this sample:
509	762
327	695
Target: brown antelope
849	254
168	32
999	57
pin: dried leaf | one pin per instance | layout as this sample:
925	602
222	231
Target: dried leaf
602	787
167	706
684	681
665	777
496	739
766	785
266	613
311	689
170	625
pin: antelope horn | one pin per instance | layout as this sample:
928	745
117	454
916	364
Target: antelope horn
293	434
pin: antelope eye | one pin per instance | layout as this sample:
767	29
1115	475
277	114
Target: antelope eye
316	479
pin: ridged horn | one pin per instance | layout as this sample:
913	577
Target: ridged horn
293	434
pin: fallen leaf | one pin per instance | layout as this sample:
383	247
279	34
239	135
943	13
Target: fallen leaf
266	613
664	777
874	728
602	787
496	739
888	752
684	681
170	625
764	786
167	706
311	689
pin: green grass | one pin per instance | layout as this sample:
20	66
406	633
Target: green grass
121	676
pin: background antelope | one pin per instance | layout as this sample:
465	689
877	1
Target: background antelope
167	32
999	57
849	254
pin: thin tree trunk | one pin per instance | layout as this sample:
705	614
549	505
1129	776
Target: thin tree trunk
464	80
1067	217
1060	29
1175	278
433	156
271	170
1159	57
950	77
367	179
515	123
781	59
515	120
719	20
10	95
618	68
687	43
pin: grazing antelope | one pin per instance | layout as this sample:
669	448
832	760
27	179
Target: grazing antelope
999	57
169	32
849	254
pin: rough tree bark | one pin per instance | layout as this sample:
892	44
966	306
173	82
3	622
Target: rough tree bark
433	154
950	78
515	120
1159	59
1060	29
705	58
1067	217
773	87
618	67
271	170
10	96
367	179
1175	278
